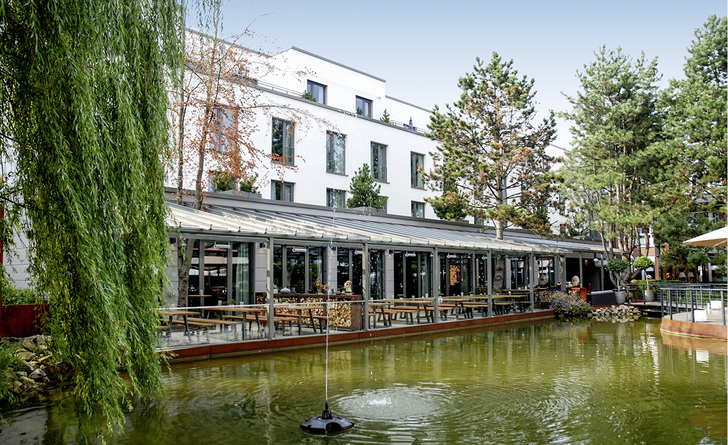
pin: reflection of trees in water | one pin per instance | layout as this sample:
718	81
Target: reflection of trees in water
148	422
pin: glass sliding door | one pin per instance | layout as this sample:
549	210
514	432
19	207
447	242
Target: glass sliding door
376	273
216	271
241	274
316	268
295	272
425	273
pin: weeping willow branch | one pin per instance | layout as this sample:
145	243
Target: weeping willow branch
84	90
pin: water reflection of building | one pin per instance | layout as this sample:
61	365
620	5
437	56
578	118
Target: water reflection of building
239	240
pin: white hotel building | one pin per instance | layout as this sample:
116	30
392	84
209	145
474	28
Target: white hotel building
338	133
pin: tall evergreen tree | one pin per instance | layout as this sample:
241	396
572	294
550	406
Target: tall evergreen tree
613	162
84	105
491	157
364	192
694	187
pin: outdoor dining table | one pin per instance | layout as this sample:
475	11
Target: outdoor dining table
171	313
513	299
299	310
240	310
459	305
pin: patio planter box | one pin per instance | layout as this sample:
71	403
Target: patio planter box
603	298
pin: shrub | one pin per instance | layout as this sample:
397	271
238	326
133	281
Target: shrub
567	306
12	296
8	363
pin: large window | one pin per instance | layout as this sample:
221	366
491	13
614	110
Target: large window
282	142
363	107
221	272
335	153
336	198
379	162
224	128
317	90
417	166
281	191
455	274
299	267
418	209
412	274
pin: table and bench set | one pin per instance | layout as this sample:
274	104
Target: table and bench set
288	316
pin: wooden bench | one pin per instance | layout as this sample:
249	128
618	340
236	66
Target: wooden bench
243	318
442	308
502	307
198	323
480	306
323	320
281	320
380	313
215	322
407	312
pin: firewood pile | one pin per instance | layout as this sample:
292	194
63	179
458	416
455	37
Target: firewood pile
339	313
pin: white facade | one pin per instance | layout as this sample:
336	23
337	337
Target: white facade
280	85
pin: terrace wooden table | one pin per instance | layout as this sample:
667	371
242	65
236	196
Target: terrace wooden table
382	306
171	313
299	310
460	307
408	307
513	300
476	302
502	306
241	314
218	322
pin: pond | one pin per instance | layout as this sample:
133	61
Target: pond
584	382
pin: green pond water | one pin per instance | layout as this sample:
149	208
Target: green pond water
601	383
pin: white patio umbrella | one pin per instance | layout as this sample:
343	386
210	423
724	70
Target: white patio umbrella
716	238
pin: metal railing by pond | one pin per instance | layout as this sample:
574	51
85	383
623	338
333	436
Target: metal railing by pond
702	301
188	326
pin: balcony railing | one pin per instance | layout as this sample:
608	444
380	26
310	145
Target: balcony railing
699	300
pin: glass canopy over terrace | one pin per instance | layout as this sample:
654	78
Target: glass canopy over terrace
396	257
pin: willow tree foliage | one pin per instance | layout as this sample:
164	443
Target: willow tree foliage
695	143
609	173
491	156
84	117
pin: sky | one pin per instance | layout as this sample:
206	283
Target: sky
422	48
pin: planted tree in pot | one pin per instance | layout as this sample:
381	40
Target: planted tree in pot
617	266
643	263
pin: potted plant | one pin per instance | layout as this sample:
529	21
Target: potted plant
643	263
617	266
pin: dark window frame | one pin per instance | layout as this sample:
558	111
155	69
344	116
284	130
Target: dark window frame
379	168
364	106
313	88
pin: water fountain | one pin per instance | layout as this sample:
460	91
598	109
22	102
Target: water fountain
327	423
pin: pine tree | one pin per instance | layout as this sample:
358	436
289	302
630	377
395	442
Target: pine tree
364	192
693	187
614	161
491	161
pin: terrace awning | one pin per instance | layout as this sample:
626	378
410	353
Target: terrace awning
348	227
